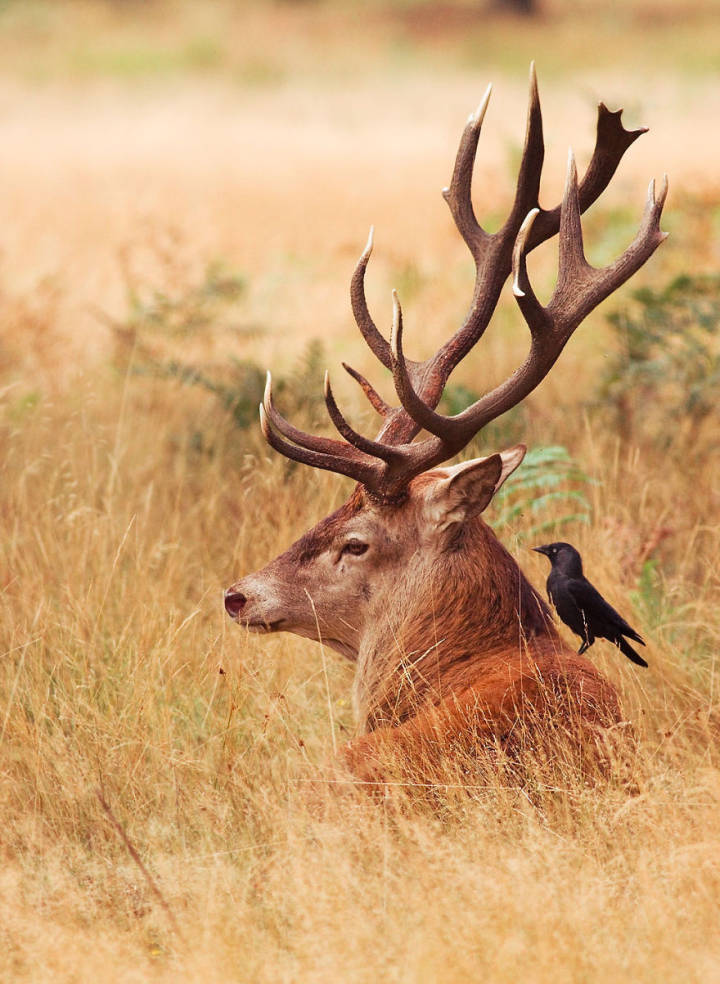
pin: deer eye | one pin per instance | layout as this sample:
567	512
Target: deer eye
354	547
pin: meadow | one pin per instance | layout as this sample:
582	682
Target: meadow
185	190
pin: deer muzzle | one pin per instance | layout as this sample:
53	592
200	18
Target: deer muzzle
255	605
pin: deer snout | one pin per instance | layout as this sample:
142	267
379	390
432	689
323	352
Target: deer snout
254	603
235	601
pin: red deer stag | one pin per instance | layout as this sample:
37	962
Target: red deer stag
450	641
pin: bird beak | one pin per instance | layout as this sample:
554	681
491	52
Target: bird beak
542	550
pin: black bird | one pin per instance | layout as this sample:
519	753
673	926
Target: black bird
581	606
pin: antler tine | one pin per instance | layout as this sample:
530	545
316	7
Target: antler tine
419	411
533	157
353	468
458	193
383	451
521	282
377	344
374	398
321	445
572	264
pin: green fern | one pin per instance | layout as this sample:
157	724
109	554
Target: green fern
548	478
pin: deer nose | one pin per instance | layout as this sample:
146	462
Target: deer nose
234	602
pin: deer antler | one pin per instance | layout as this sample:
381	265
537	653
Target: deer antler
387	464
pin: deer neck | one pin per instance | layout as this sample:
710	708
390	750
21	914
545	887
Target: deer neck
442	625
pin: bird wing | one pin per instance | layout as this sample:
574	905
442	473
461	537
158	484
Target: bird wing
590	601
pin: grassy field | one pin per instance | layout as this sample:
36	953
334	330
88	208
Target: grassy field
186	188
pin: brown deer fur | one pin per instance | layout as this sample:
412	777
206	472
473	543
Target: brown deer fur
450	640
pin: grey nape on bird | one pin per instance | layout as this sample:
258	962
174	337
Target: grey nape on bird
581	606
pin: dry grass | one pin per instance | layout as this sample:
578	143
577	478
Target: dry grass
128	503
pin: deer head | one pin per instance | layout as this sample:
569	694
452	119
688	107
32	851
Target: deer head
406	571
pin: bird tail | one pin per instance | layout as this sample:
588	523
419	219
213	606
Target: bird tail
628	651
632	634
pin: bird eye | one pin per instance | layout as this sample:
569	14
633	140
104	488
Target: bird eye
354	547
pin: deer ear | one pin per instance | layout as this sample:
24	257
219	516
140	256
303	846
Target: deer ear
466	490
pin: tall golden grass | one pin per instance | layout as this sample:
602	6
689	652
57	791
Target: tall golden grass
129	502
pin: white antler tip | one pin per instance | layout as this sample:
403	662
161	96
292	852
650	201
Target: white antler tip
268	388
476	118
571	177
528	220
397	308
369	244
326	383
516	289
396	330
264	426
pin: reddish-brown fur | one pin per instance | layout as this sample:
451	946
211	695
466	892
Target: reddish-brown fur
453	645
